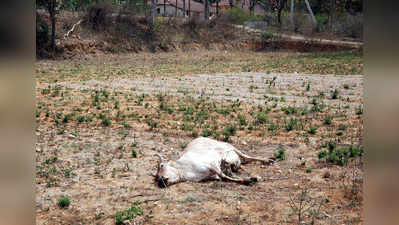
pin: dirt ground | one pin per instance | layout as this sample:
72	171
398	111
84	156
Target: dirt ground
97	136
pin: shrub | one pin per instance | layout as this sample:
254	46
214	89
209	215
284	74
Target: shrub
134	153
242	120
280	154
334	94
129	213
239	16
340	156
261	118
321	154
207	132
63	201
312	130
290	124
327	120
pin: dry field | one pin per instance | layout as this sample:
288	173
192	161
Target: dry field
101	119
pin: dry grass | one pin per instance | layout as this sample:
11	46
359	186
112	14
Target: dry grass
97	147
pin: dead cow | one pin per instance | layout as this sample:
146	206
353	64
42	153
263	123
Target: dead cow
205	159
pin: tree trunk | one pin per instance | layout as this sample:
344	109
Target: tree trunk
311	12
206	10
292	14
53	23
184	8
280	10
176	8
153	10
251	6
217	7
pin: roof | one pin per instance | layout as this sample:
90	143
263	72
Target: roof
194	6
243	4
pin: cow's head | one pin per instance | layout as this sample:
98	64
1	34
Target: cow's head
167	173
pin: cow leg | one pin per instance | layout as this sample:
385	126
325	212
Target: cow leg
239	180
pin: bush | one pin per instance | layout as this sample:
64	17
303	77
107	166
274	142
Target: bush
280	154
339	156
239	16
261	118
128	214
63	201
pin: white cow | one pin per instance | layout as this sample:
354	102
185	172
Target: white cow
205	159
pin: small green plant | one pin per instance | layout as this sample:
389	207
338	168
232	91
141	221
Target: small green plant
67	118
207	132
128	214
334	94
339	133
327	120
308	170
359	111
290	124
342	127
152	123
134	153
228	131
321	154
63	201
340	156
280	154
312	130
242	120
346	86
261	118
106	121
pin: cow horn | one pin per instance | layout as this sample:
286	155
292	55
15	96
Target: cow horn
160	157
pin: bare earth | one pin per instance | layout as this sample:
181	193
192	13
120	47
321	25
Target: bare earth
95	168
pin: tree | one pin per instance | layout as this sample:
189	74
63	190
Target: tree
311	12
153	10
206	9
280	7
51	7
184	8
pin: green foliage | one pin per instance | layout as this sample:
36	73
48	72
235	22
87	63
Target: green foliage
261	118
327	120
63	201
152	123
239	16
322	154
207	132
242	120
312	130
359	111
334	94
339	156
290	124
228	131
134	153
128	214
280	154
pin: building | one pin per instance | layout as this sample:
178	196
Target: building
242	4
175	8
